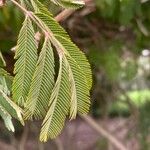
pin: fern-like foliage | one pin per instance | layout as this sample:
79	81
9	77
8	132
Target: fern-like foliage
26	55
37	86
42	84
58	105
38	7
79	89
78	57
63	38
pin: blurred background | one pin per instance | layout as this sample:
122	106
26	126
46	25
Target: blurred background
115	35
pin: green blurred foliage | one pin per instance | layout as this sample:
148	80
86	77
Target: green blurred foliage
138	98
10	24
144	126
119	62
106	58
127	13
122	11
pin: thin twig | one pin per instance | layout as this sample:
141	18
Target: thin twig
104	132
24	138
64	14
41	146
131	105
144	1
48	33
142	28
59	144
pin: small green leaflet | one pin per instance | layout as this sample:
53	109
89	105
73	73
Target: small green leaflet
8	108
2	61
26	55
3	112
42	84
58	105
7	119
69	3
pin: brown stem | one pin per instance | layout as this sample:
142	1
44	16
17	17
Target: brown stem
64	14
59	144
104	132
24	138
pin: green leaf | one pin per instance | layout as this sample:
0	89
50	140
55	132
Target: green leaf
128	10
2	61
7	119
65	40
4	73
3	85
69	3
58	106
78	56
52	25
66	44
69	95
42	84
39	7
79	89
8	104
26	55
11	107
80	80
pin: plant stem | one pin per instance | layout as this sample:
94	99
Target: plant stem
45	29
103	132
18	5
